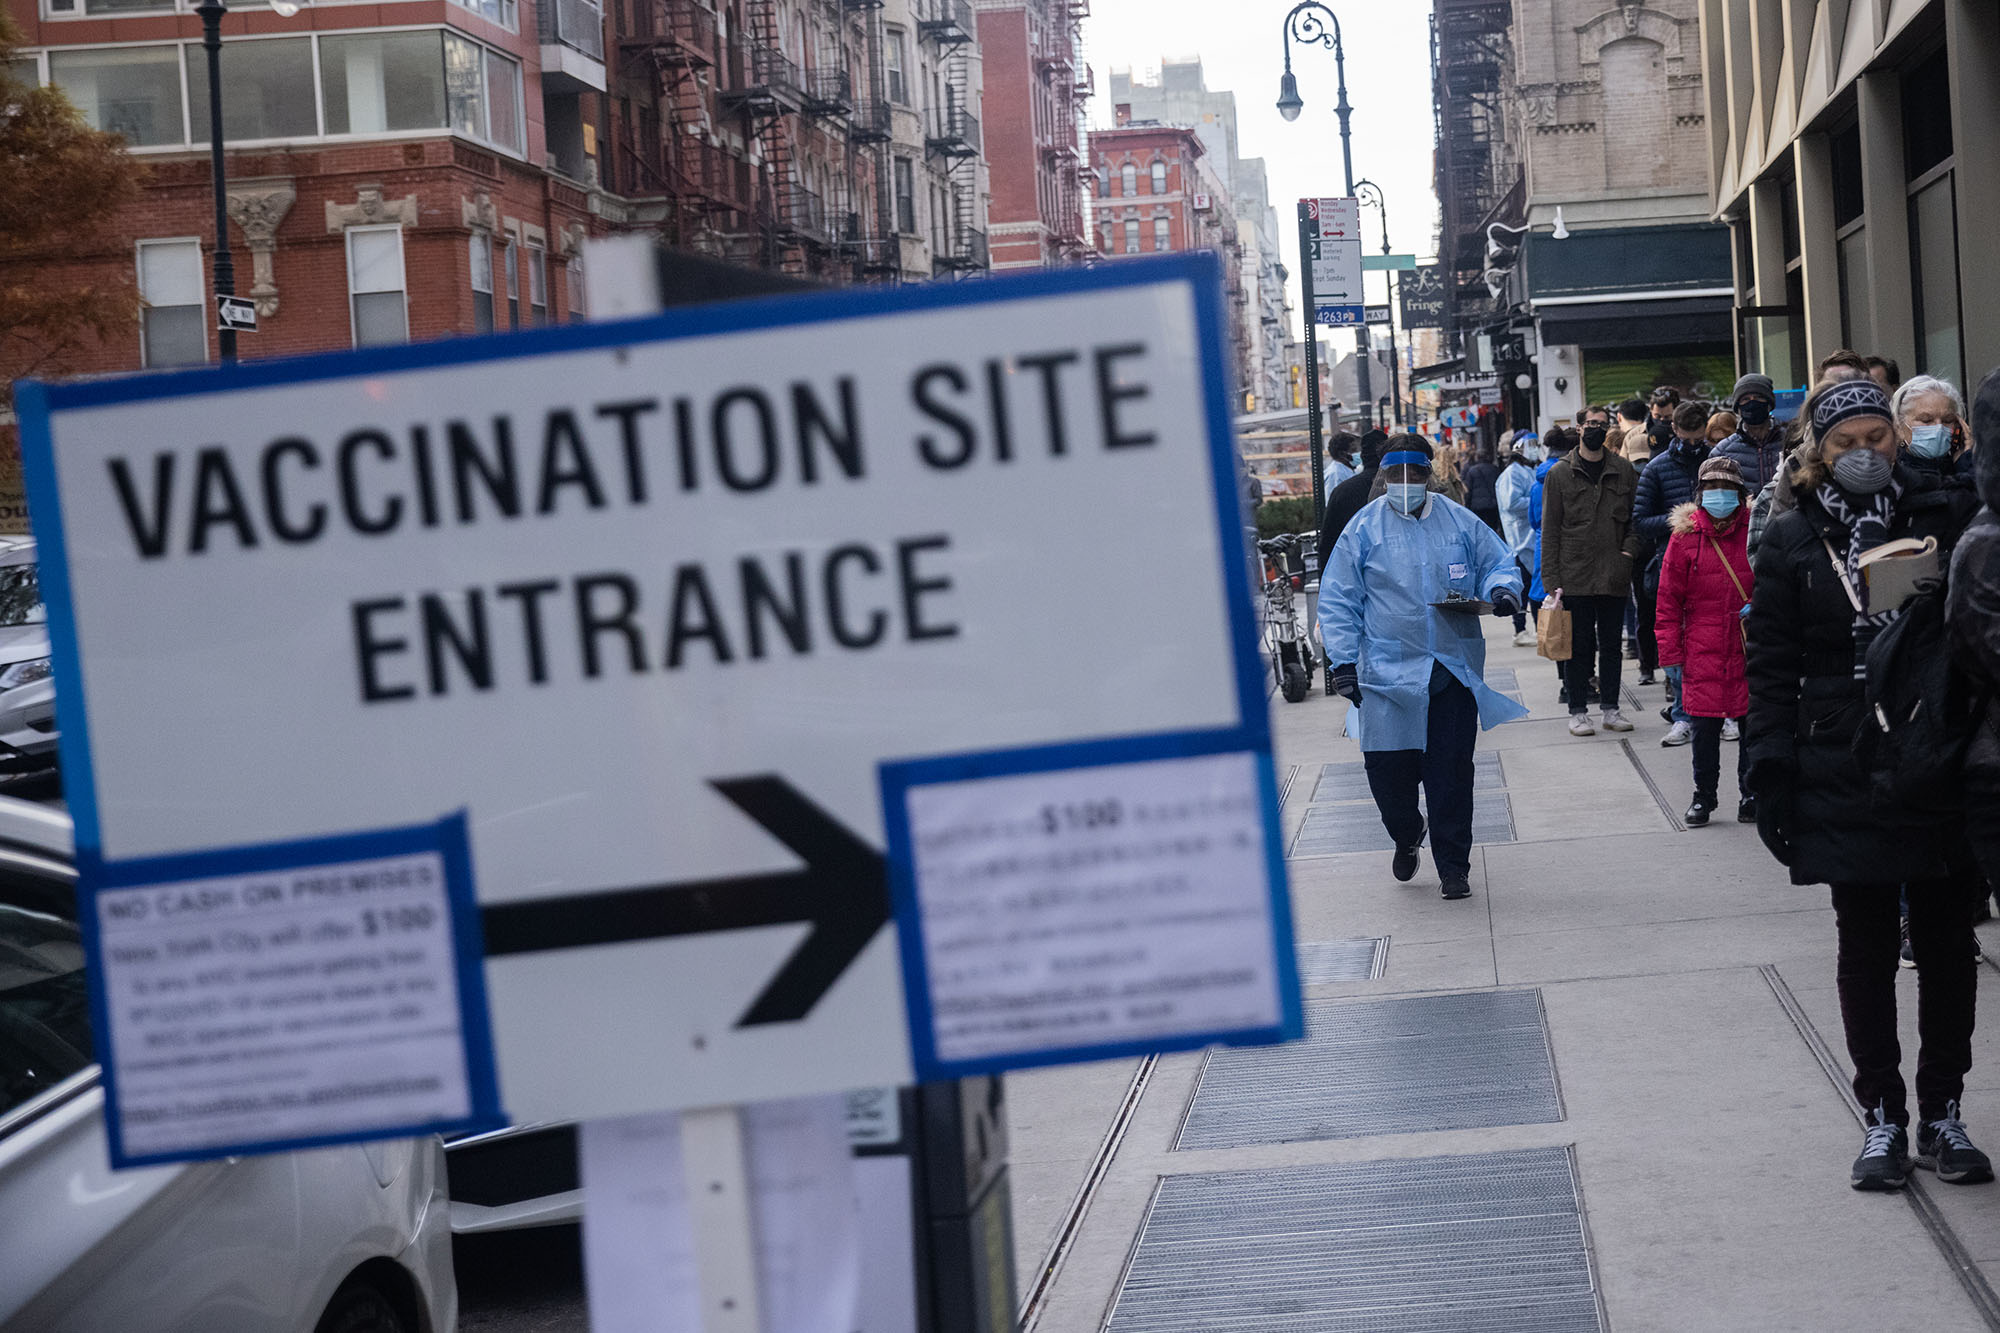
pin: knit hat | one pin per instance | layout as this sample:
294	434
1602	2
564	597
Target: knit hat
1848	400
1753	383
1722	470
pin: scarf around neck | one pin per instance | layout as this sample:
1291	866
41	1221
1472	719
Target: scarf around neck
1867	527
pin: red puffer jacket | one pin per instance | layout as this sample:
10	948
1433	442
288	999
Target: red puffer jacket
1700	621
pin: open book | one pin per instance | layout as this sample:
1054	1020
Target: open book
1897	570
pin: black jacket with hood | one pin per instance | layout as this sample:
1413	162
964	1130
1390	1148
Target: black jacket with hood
1972	606
1806	706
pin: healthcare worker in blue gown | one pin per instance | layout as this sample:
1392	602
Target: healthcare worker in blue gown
1415	670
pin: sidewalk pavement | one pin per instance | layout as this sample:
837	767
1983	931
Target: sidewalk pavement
1698	1097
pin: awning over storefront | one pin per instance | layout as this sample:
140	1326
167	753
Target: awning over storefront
1673	322
1615	261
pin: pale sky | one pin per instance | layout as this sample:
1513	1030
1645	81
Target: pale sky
1240	45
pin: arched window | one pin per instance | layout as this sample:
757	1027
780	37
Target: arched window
1129	178
1159	176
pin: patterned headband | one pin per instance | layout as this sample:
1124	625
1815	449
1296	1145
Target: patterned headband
1846	401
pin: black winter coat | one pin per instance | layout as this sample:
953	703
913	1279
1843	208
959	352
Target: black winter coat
1479	479
1806	707
1665	485
1342	505
1973	612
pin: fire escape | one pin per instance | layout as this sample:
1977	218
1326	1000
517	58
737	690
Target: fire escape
1070	85
951	135
1478	177
667	148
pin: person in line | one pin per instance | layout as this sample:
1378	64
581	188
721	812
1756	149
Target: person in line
1515	491
1666	400
1339	460
1415	671
1481	477
1588	549
1722	423
1667	483
1885	372
1758	446
1930	423
1842	364
1810	628
1635	446
1560	441
1705	587
1348	498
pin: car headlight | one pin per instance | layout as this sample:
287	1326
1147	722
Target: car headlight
24	673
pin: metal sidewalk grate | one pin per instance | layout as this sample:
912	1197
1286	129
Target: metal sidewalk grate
1349	782
1324	961
1403	1066
1486	1243
1332	830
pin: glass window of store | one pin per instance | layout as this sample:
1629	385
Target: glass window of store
130	90
267	90
1927	161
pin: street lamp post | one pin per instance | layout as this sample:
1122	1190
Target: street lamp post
1371	194
211	12
1312	21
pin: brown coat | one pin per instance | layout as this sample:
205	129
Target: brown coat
1587	540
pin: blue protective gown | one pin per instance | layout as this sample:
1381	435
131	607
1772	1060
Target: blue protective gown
1375	611
1536	592
1336	472
1514	489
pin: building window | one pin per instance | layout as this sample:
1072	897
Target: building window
895	59
172	327
573	279
1159	178
483	90
538	285
267	90
1845	146
382	82
1131	236
513	259
482	282
69	8
1851	249
1128	179
1162	235
1934	270
906	196
375	285
494	11
130	90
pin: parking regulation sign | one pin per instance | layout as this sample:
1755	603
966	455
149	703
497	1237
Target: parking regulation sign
835	688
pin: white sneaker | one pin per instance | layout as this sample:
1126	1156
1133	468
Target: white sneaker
1579	725
1615	721
1730	731
1678	734
1524	638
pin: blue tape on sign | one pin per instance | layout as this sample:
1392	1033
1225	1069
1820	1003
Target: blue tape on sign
926	973
243	926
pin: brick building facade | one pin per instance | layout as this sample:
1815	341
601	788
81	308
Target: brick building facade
1036	83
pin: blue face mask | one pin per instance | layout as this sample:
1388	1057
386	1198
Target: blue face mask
1720	504
1406	497
1930	441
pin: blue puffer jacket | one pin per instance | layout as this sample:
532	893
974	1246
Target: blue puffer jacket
1759	463
1667	482
1535	589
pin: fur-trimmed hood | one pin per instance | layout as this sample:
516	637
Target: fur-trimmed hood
1692	518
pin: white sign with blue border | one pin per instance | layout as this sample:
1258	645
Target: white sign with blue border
694	616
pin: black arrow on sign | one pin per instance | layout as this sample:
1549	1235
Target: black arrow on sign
842	891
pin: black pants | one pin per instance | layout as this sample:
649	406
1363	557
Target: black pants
1708	759
1596	628
1443	768
1527	581
1648	598
1947	990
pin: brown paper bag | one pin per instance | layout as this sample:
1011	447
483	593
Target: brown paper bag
1552	631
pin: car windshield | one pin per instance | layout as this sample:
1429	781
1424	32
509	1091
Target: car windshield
44	1004
21	596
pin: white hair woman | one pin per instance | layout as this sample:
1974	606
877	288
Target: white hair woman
1930	423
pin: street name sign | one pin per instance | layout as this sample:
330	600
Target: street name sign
236	312
828	692
1330	233
1387	263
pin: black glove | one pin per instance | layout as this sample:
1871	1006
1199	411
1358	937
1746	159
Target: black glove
1776	788
1346	683
1505	603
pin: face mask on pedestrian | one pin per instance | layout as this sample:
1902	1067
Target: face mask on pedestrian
1406	497
1930	440
1861	471
1753	412
1593	439
1720	504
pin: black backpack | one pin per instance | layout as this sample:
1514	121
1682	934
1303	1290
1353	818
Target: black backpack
1923	711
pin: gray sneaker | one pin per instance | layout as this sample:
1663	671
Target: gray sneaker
1942	1146
1884	1163
1615	721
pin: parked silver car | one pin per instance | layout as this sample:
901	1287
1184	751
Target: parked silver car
353	1239
27	691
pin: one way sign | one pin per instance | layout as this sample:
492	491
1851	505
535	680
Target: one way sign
816	722
235	313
